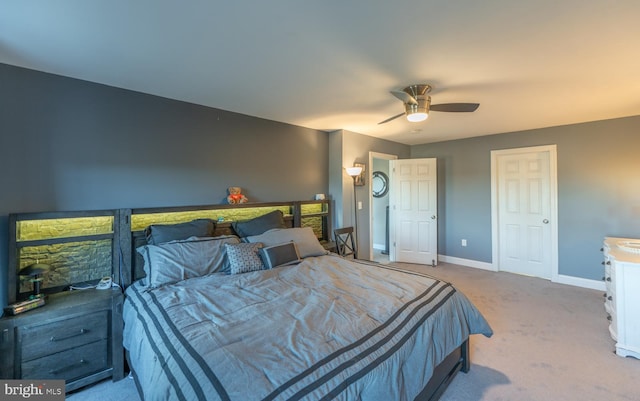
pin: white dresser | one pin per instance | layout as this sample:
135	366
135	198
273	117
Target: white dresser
622	299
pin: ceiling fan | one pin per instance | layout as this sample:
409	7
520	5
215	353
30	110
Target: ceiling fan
417	104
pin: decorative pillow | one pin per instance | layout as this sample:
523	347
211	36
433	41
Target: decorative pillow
304	238
160	233
243	257
179	260
259	224
280	255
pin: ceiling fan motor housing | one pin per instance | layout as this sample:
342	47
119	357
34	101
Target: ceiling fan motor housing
417	90
418	111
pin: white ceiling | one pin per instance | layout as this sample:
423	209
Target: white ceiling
330	64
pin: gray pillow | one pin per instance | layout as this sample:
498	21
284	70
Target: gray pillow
304	238
243	257
279	255
160	233
259	224
179	260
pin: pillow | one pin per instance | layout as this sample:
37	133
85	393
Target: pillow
243	257
304	238
160	233
259	224
279	255
179	260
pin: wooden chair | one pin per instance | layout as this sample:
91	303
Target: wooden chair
345	244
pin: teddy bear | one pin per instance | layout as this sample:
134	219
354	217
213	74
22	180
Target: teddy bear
236	196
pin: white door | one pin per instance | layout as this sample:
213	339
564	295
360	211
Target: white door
526	217
413	211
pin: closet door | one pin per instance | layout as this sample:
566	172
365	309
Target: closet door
525	212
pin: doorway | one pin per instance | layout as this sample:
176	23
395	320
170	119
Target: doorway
524	211
378	212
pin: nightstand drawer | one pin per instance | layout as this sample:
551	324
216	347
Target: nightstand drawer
70	364
47	339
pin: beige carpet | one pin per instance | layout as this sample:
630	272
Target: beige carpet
550	343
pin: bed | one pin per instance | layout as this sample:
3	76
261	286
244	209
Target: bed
274	316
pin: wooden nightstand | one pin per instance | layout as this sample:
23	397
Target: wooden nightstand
76	337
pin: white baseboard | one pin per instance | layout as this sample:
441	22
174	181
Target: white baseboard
466	262
561	279
581	282
379	247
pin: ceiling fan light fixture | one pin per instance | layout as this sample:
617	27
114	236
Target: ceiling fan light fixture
417	117
418	112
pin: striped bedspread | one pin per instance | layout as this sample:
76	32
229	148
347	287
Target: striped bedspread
325	329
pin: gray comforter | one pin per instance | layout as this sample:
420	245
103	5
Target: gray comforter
326	328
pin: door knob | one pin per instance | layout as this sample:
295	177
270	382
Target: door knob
545	221
433	217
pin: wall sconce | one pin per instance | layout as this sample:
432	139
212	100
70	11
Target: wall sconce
354	171
357	173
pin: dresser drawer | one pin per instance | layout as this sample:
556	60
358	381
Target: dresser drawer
70	364
47	339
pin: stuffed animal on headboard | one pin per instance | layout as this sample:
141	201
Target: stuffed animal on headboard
236	196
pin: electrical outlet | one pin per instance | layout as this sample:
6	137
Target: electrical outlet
359	205
464	242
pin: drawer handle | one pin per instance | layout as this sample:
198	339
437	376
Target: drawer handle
610	298
79	333
69	367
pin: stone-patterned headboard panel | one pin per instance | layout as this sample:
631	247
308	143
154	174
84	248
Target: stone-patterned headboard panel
78	247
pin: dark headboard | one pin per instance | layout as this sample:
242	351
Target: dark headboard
316	214
78	246
84	246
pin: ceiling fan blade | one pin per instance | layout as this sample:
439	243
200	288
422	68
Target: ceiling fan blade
391	118
405	97
455	107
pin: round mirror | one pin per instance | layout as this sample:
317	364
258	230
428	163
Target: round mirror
379	184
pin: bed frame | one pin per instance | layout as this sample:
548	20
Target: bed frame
127	267
444	373
456	361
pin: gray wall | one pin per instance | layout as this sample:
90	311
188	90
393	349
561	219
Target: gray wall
355	149
598	189
67	144
72	145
